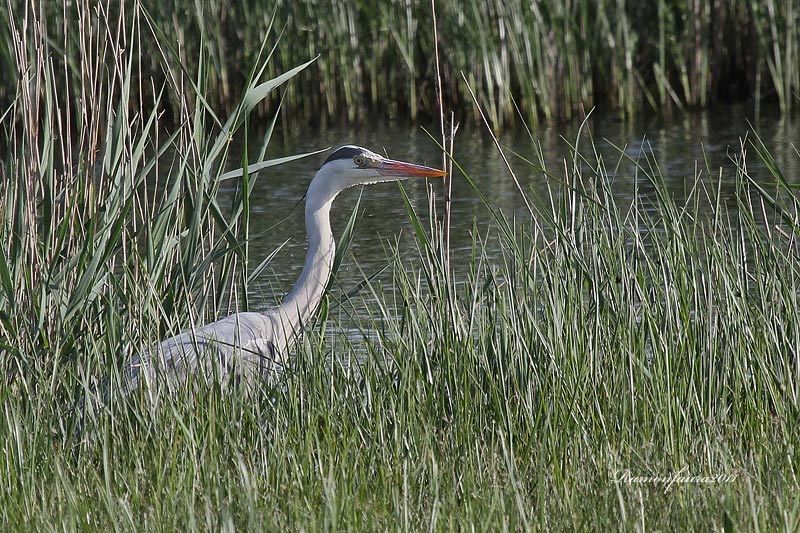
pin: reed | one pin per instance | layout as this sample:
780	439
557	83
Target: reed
111	217
516	393
553	58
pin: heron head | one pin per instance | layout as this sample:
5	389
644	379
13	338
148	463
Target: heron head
353	165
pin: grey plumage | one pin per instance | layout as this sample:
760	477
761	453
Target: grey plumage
234	350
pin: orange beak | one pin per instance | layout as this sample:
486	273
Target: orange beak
390	167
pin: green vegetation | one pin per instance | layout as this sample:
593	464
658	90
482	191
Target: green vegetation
549	56
643	337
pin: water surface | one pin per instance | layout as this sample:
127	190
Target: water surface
683	147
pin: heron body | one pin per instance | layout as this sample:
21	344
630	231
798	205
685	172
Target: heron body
244	345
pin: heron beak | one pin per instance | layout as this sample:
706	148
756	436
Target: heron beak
389	167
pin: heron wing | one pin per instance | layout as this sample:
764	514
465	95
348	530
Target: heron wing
234	349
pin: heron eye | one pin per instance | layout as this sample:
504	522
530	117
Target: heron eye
359	161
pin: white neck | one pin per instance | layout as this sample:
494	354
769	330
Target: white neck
300	304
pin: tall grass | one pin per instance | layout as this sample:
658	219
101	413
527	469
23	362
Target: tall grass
551	57
112	222
647	337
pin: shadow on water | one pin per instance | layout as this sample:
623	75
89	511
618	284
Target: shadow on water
678	145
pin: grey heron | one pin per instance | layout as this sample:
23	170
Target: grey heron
247	344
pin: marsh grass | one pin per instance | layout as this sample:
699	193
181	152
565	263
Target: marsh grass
510	393
112	222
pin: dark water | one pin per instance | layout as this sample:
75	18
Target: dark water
683	147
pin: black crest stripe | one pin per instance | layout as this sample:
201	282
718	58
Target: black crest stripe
345	152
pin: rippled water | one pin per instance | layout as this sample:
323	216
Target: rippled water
679	146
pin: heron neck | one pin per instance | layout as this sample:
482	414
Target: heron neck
300	304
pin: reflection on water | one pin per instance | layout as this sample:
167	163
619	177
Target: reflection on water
679	146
